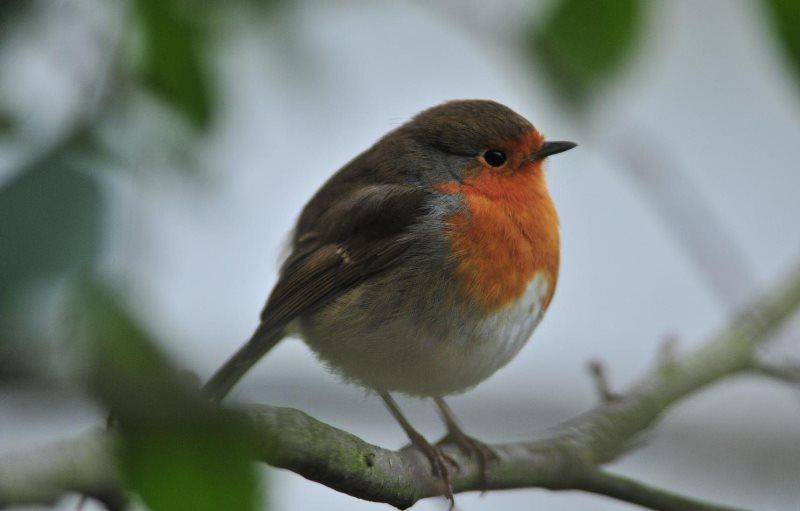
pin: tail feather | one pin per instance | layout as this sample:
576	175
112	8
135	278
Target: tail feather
263	339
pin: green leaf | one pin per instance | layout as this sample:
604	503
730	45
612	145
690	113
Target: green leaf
173	65
11	11
178	451
50	226
127	371
7	123
192	466
583	44
50	223
784	16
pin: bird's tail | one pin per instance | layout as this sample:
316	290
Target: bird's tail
263	339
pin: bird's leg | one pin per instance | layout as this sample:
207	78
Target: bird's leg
436	457
469	445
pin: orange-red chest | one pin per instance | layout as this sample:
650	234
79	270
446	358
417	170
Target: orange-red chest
507	235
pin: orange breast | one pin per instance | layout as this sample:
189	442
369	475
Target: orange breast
508	234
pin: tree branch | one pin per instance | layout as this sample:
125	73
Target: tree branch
622	488
85	464
788	373
566	460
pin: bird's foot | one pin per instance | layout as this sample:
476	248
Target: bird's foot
439	461
472	447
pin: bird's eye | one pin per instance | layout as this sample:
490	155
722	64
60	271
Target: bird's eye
494	157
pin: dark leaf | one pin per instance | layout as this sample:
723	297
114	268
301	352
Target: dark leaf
127	371
583	44
50	222
7	123
173	63
266	5
785	19
50	225
179	452
12	10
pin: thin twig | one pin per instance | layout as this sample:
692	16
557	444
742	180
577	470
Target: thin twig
668	351
597	370
789	373
628	490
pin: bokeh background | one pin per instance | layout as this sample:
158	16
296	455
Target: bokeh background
165	147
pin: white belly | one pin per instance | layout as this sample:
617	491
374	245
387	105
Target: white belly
501	336
434	353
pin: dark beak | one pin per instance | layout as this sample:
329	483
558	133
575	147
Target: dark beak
551	148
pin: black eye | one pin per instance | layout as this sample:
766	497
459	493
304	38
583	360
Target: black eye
494	157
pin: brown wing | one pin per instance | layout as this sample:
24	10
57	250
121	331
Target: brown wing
364	233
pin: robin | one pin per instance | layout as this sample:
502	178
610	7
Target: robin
423	265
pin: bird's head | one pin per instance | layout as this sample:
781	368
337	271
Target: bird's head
460	139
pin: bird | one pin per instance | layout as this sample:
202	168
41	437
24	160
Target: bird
422	266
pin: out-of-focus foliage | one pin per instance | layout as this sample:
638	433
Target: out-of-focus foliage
12	8
49	223
173	63
785	18
583	44
179	452
6	123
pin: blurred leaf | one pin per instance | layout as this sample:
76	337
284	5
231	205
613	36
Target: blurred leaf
266	5
173	64
583	44
179	452
127	370
11	10
50	225
19	360
50	222
7	123
190	465
785	18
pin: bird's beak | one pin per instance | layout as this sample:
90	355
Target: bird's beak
551	148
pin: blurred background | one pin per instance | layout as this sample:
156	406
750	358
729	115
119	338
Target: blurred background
163	149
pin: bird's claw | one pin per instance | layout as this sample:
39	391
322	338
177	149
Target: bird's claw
473	447
438	461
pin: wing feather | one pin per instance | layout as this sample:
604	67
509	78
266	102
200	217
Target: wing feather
363	234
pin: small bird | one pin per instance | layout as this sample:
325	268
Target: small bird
423	265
